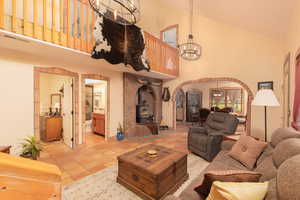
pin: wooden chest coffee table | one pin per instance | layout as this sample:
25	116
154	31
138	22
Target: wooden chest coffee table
152	177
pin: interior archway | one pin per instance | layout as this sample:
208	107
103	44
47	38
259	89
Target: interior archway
203	80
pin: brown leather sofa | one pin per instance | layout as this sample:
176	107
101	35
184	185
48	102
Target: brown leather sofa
25	179
279	164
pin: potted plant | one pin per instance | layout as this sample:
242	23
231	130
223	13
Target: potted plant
120	133
31	148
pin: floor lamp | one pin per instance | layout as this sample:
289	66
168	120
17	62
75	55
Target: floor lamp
265	97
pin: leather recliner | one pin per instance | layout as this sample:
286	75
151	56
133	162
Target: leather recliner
206	141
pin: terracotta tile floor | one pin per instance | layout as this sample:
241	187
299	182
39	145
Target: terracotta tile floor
97	154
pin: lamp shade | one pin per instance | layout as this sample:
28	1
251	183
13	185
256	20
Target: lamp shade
265	97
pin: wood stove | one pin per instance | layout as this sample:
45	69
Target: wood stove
145	105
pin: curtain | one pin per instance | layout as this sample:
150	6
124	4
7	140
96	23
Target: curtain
296	109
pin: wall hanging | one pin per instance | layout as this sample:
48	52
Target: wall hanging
166	94
117	43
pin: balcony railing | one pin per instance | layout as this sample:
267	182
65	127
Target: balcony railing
70	23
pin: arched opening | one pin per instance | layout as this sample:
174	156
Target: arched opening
243	108
145	107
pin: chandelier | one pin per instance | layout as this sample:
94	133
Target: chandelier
125	12
190	50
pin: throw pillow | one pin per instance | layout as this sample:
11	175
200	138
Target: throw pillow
238	191
247	150
225	176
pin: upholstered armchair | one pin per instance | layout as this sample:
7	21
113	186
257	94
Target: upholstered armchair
206	141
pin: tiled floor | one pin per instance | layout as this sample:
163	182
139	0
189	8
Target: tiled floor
98	154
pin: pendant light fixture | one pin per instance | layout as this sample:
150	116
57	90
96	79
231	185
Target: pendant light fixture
217	92
125	12
190	50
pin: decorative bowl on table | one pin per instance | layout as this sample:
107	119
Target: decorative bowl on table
152	153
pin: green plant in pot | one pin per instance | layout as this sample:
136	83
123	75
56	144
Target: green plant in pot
31	148
120	133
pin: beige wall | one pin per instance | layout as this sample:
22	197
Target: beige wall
100	88
16	103
231	52
50	84
227	52
19	75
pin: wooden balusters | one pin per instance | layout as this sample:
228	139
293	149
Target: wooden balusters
70	23
2	14
14	16
162	57
63	33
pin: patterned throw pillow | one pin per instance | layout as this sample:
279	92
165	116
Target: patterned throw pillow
225	176
247	150
238	191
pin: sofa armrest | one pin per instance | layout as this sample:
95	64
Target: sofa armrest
197	130
172	197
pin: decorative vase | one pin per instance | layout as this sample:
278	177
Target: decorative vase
120	136
166	94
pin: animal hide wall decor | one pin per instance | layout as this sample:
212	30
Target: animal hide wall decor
112	46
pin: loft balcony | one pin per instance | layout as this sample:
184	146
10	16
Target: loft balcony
69	24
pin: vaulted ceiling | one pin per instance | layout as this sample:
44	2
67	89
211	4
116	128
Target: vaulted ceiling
270	17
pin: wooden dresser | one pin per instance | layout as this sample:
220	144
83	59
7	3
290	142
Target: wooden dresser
98	125
51	128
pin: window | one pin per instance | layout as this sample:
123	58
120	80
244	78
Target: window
227	97
170	35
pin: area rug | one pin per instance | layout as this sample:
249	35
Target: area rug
103	186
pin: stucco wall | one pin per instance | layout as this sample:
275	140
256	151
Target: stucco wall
231	52
16	103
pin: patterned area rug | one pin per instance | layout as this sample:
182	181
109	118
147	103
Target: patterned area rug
103	186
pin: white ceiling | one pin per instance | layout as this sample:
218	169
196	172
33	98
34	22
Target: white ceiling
270	17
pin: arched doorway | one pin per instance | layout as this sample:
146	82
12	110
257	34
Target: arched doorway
203	80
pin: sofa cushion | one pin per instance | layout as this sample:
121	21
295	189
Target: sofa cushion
189	192
285	150
267	169
238	191
265	154
225	176
247	150
272	191
288	179
223	122
224	159
283	134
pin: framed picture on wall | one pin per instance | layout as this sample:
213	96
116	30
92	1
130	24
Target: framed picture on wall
265	85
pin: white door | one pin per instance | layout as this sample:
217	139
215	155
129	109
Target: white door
68	113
